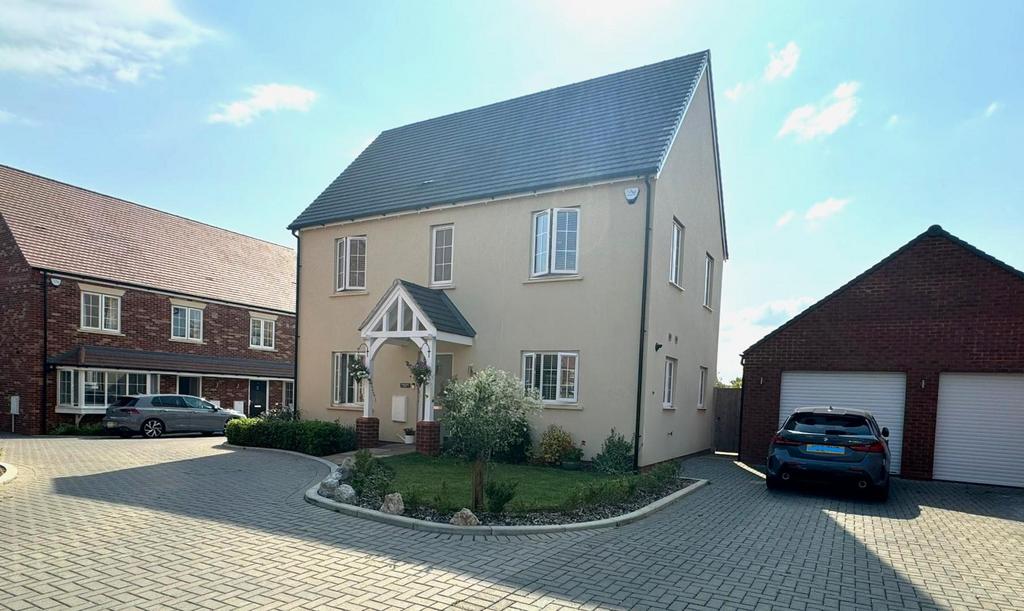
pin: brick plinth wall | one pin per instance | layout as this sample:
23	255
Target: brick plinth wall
428	438
367	432
936	305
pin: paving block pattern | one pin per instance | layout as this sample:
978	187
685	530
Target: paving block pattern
181	523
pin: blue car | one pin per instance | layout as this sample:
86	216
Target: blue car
831	445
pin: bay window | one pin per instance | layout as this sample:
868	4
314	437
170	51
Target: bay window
555	241
554	375
95	389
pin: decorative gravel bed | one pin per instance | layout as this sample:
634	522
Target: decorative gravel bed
539	518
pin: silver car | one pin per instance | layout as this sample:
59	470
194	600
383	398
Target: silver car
153	415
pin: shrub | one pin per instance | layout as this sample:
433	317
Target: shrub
307	436
66	428
601	492
520	449
616	455
371	479
555	445
499	493
658	477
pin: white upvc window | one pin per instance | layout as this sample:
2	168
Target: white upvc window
554	375
709	280
288	395
101	312
675	268
555	241
68	394
347	389
442	251
99	388
350	263
261	333
702	386
669	383
186	323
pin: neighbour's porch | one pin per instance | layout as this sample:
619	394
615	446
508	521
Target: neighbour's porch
410	314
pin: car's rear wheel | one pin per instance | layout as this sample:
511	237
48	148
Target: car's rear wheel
152	428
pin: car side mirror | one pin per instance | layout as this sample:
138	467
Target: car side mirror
885	431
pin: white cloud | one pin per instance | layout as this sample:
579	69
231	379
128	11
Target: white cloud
264	98
742	328
826	208
814	120
893	121
784	220
736	91
10	118
93	42
783	62
992	109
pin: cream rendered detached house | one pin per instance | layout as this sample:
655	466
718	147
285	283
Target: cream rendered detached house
574	236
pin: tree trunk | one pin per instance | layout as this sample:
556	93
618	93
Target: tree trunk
479	474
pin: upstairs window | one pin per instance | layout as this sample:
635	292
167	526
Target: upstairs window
186	323
709	280
261	333
350	263
441	253
101	312
675	266
555	241
552	374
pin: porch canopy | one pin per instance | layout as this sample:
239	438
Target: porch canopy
424	316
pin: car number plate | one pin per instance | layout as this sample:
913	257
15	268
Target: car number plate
819	449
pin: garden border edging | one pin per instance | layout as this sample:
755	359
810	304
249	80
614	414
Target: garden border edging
10	473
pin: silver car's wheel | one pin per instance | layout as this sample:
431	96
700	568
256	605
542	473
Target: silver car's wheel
152	428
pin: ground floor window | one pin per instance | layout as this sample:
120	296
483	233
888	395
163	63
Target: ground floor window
76	388
669	382
552	374
347	389
288	395
190	385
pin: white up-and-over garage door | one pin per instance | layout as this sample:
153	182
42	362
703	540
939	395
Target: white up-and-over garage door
881	393
979	427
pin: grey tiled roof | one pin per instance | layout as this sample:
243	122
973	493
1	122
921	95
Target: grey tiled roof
63	228
609	127
440	309
123	358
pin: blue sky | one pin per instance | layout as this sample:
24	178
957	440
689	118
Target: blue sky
845	128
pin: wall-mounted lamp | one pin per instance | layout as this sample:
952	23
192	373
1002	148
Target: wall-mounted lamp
657	347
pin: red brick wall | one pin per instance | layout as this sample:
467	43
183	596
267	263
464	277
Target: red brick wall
935	307
21	343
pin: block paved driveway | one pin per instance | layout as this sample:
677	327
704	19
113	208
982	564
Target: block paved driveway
182	523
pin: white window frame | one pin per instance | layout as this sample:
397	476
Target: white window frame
709	280
78	381
103	299
533	357
284	394
702	387
337	398
668	384
434	281
675	269
189	314
342	271
549	268
263	324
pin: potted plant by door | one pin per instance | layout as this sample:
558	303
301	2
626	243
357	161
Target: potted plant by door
572	459
409	436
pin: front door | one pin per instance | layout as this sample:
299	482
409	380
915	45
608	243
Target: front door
257	397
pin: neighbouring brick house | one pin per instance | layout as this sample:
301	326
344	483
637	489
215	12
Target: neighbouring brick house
102	297
931	340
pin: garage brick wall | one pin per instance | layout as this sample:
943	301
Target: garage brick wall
934	306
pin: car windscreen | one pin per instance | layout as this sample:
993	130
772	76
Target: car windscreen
125	402
829	424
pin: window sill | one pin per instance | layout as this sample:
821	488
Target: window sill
564	406
668	407
676	286
442	287
350	293
553	278
701	408
187	341
262	348
346	407
99	331
708	309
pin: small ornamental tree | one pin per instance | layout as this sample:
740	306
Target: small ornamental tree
420	373
485	415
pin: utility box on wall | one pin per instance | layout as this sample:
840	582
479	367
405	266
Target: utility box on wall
15	405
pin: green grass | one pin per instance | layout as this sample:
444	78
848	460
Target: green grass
540	488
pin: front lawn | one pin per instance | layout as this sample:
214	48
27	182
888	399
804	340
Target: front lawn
540	488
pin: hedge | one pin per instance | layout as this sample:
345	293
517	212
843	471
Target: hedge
307	436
